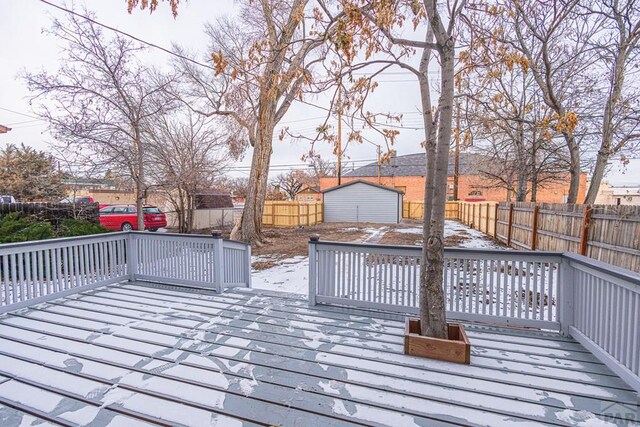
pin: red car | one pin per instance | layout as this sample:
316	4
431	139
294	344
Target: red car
123	217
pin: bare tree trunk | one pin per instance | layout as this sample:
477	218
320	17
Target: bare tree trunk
249	229
605	151
432	308
140	190
188	220
596	179
574	169
430	141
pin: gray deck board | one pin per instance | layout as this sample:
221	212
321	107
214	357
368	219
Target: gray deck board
255	332
149	353
171	303
374	356
483	356
12	417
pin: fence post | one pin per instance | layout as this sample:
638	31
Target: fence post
534	227
510	224
313	268
218	261
132	256
473	216
566	294
584	234
495	221
486	225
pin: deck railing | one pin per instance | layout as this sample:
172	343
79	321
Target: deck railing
602	312
598	304
38	271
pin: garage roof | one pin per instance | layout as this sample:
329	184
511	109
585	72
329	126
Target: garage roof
361	181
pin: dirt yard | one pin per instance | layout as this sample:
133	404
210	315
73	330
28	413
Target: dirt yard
286	243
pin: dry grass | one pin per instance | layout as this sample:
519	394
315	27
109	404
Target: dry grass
283	243
395	238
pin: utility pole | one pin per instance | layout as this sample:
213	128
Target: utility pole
456	161
339	148
379	163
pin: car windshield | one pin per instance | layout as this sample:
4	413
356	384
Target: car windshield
5	199
151	210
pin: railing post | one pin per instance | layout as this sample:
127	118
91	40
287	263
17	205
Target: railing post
313	268
132	256
248	266
566	293
218	263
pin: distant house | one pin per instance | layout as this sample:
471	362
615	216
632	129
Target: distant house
610	194
4	129
407	174
309	194
76	184
213	199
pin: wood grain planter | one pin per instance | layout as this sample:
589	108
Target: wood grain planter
456	349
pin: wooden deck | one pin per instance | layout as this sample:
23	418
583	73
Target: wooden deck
143	354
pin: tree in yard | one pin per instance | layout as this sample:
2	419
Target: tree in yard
292	182
101	99
262	63
617	43
238	187
506	117
187	154
556	42
29	175
320	168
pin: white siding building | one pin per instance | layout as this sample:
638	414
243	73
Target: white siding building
361	201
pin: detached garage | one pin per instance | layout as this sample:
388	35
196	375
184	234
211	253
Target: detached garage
362	201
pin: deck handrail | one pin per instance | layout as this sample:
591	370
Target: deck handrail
597	304
39	271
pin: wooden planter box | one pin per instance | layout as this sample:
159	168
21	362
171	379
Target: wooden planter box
456	349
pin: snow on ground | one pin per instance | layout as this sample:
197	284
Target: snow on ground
412	230
477	239
290	275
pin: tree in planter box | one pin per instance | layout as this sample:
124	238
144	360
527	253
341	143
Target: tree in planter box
378	24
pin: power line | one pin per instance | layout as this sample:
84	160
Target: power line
358	118
19	113
177	55
21	123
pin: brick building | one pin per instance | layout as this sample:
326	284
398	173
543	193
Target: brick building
406	173
309	194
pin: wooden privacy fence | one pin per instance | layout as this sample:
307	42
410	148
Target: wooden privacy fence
604	232
479	215
292	214
415	210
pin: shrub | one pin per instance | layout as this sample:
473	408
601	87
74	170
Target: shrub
76	227
15	227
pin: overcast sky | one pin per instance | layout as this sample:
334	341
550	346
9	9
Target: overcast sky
26	47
